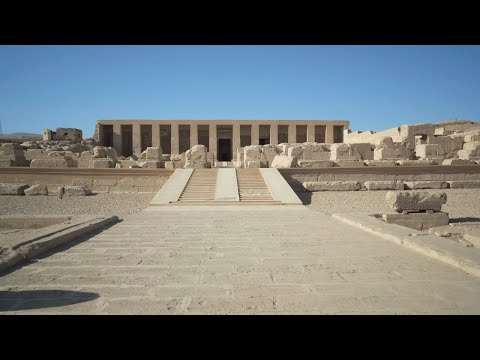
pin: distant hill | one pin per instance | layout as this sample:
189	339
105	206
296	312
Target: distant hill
20	135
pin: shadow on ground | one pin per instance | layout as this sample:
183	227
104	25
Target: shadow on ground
465	220
40	299
305	197
61	248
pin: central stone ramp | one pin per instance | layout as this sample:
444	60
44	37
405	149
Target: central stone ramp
200	187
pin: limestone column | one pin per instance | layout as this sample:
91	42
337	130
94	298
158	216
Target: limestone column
175	139
155	135
329	134
137	149
255	133
274	134
212	129
193	135
292	133
310	133
117	138
235	140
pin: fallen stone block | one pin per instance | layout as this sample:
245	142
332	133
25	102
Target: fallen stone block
380	163
111	153
165	157
149	164
52	163
416	162
416	185
418	221
101	163
12	189
332	185
413	200
284	162
383	185
344	152
169	164
154	153
315	163
71	190
350	163
457	162
99	152
467	184
36	190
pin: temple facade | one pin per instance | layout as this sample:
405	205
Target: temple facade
223	138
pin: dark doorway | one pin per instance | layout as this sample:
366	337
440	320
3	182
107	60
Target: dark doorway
224	150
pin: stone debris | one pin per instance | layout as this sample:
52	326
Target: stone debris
12	189
417	185
196	157
101	164
37	189
332	185
315	163
414	200
72	190
384	185
284	162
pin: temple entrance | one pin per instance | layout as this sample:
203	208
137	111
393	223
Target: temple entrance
224	150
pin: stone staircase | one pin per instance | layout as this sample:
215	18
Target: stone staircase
200	187
252	187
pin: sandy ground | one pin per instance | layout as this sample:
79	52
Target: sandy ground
99	204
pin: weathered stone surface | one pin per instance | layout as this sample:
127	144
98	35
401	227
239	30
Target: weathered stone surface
86	155
111	153
295	151
196	157
88	182
457	162
416	185
154	153
37	189
350	163
344	152
284	162
472	137
7	163
416	162
71	190
315	163
12	154
364	149
99	152
380	163
31	154
101	164
424	151
332	185
126	163
53	162
418	221
12	189
256	164
414	200
383	185
166	157
175	157
149	164
169	164
467	184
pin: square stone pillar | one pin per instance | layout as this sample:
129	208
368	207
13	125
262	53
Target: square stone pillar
193	135
310	133
117	138
235	140
274	134
329	134
213	142
155	135
255	133
292	133
175	139
136	145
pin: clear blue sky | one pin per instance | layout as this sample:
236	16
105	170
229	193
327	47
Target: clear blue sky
375	87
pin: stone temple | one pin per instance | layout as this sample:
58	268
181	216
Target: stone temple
224	139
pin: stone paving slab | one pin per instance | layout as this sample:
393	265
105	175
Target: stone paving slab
236	260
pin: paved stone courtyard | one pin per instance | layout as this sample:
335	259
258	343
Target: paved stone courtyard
270	259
